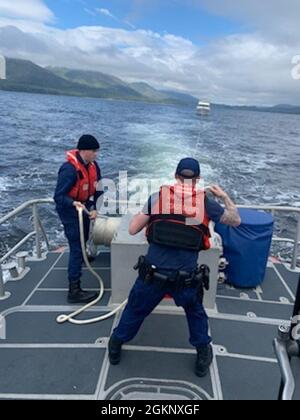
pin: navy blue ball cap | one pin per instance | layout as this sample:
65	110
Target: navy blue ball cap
88	142
188	168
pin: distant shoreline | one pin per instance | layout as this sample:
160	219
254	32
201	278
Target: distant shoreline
65	95
23	76
145	102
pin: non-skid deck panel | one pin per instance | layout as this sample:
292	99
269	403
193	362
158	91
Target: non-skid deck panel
157	365
260	309
229	291
244	338
58	279
290	277
243	379
50	371
272	289
59	298
102	260
20	290
170	331
42	328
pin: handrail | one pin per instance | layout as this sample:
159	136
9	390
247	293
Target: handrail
270	208
284	209
16	247
23	207
288	379
39	227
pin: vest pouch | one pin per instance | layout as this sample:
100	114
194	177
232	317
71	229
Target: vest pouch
176	235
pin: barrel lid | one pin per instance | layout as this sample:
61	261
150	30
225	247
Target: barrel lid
255	217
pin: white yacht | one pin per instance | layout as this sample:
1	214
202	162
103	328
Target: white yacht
203	108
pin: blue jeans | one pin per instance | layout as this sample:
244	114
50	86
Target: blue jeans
73	235
144	298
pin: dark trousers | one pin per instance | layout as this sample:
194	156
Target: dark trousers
73	235
144	298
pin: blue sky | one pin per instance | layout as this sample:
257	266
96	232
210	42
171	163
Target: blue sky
181	18
228	51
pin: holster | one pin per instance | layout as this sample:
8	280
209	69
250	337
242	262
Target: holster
177	280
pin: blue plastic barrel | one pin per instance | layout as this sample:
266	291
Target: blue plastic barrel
247	248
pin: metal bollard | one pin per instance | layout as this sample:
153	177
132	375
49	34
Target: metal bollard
222	278
296	246
3	295
37	231
21	260
12	268
223	263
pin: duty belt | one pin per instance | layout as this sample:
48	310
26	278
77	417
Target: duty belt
199	278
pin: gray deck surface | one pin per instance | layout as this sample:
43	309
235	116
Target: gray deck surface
40	359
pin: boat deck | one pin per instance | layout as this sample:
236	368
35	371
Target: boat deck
40	359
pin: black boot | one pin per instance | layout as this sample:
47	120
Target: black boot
114	350
204	360
76	295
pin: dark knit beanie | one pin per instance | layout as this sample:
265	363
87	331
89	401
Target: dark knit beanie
88	142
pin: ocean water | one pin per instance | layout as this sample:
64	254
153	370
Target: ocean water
254	156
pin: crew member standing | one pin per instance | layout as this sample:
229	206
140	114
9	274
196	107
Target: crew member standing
177	221
77	183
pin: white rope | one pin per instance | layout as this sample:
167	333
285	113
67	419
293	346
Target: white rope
61	319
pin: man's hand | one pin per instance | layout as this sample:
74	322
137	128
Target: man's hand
78	205
93	215
218	192
231	216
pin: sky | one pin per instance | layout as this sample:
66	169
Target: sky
227	51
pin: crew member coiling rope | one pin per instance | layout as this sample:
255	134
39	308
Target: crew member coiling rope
70	318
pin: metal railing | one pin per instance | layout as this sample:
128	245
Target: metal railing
288	381
282	209
37	224
40	232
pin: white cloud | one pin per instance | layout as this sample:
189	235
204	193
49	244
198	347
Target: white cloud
274	19
29	9
106	12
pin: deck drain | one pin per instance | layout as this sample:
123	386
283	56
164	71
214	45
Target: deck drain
222	350
284	300
103	341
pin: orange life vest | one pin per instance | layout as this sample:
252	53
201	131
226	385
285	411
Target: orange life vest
179	219
87	178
